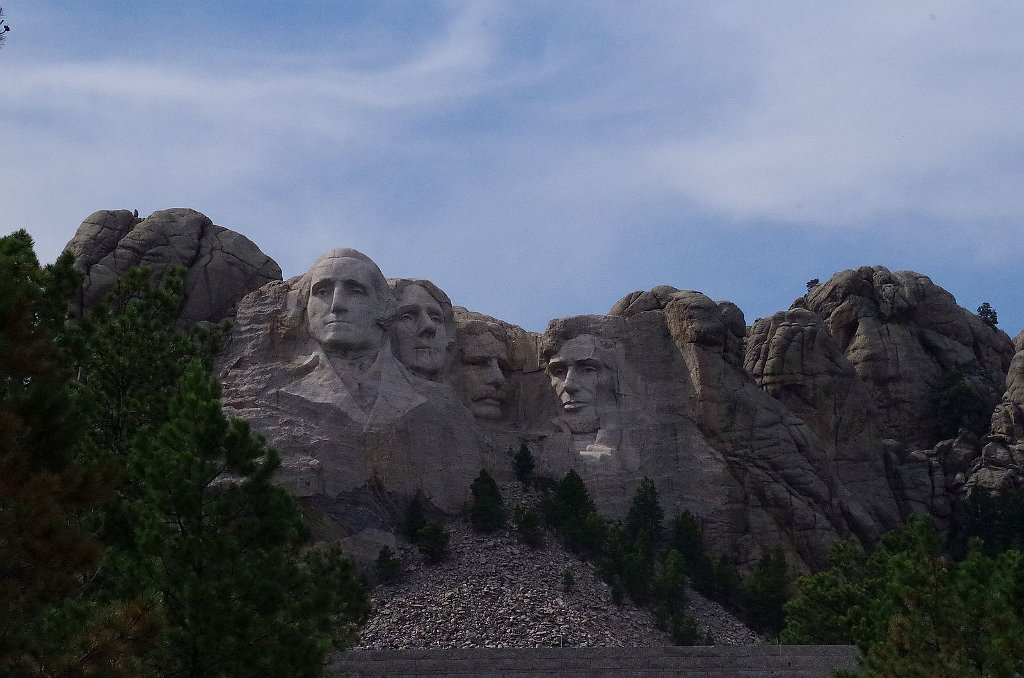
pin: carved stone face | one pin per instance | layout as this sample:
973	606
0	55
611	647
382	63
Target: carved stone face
344	306
580	379
478	377
421	338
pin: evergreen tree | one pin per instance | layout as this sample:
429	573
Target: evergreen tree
643	521
914	612
765	592
524	464
486	510
669	587
569	508
687	537
48	626
988	314
996	519
956	406
432	541
527	523
388	565
414	518
221	547
129	354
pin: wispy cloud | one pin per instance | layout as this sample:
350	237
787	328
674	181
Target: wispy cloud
579	150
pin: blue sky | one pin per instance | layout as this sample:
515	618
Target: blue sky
539	159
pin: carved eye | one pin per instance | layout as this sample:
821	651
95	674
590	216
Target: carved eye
407	317
320	292
589	369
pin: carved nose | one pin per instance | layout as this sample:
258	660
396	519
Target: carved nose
494	375
338	301
427	328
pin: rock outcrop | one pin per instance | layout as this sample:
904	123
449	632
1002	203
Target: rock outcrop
815	425
793	358
902	334
310	366
1001	464
222	265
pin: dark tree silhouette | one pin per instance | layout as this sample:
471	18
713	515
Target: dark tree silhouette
4	27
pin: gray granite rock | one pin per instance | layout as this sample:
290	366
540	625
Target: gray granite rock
222	265
793	357
902	333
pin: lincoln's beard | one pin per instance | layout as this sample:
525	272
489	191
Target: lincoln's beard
582	421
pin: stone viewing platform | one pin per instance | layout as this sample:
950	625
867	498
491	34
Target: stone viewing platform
716	661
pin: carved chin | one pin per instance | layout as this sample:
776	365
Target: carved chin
427	363
581	421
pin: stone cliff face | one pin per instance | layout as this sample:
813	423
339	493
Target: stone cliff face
902	333
815	425
223	266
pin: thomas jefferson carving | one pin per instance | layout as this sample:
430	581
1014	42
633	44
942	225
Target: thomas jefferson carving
422	327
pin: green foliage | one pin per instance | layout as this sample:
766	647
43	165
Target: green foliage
988	314
524	464
632	548
687	537
432	541
388	566
568	581
585	533
568	497
129	355
955	405
643	525
414	518
765	593
47	624
685	631
914	612
997	520
812	283
669	586
570	509
486	510
222	548
527	523
202	570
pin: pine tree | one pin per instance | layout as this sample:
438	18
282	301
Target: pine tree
765	592
129	354
988	314
486	510
912	611
221	547
687	537
644	520
524	464
48	626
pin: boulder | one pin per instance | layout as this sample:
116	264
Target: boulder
793	357
222	265
1001	463
903	334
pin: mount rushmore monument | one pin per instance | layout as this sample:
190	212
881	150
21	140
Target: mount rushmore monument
809	426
